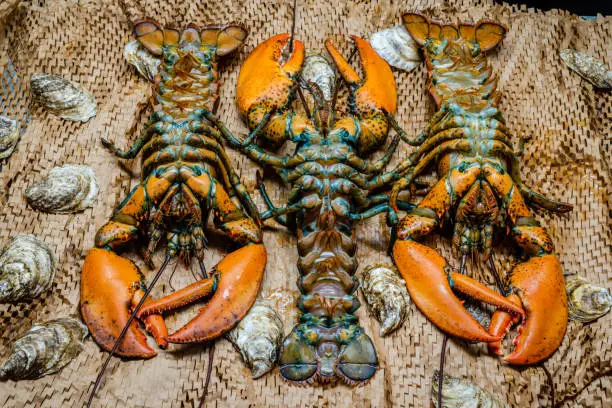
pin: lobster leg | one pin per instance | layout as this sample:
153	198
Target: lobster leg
240	273
428	275
538	282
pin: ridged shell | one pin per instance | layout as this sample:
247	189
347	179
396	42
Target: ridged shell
397	47
44	349
589	68
586	302
140	58
458	393
67	189
319	70
386	295
258	338
62	98
9	136
27	269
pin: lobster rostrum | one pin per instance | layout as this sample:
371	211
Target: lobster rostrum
331	185
481	191
185	175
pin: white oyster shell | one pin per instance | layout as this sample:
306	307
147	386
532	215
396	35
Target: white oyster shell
140	58
67	189
386	296
44	349
258	338
27	269
458	393
589	68
62	98
586	302
319	70
397	47
9	136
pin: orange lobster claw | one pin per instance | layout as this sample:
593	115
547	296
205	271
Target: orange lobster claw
241	274
541	290
377	90
372	100
265	87
110	285
427	278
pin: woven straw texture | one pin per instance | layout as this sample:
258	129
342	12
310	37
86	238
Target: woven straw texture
564	122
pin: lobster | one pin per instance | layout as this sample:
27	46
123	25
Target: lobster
479	191
330	184
185	175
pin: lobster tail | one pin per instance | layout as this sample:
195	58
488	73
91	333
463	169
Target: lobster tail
327	344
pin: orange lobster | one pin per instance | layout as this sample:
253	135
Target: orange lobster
331	182
480	186
185	175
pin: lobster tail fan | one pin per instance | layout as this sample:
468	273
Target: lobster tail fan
488	34
190	37
418	26
150	35
225	39
171	36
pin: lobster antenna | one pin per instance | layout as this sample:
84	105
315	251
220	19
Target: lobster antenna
211	354
125	329
293	26
443	353
498	280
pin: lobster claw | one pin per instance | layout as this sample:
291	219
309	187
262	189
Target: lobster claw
540	290
429	277
372	99
240	277
110	286
266	88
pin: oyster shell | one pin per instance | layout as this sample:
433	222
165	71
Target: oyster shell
397	47
589	68
62	98
67	189
258	338
586	302
9	136
140	58
458	393
478	313
386	295
44	349
27	269
319	70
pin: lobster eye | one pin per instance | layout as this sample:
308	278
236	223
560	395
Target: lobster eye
358	360
297	360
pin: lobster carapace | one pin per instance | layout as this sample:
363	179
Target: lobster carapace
480	191
185	175
331	185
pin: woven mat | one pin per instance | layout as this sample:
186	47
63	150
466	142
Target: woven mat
565	124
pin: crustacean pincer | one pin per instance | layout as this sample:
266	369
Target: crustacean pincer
186	175
480	191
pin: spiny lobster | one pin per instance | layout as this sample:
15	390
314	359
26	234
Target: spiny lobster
479	190
331	185
185	175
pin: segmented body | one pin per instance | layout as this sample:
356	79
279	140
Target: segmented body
183	153
185	176
480	192
331	188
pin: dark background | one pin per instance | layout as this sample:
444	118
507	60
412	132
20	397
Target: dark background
582	8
